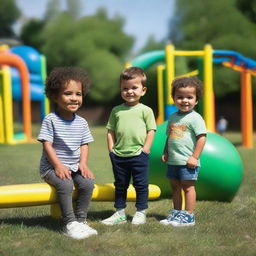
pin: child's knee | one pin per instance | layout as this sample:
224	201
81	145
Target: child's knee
188	188
87	185
90	185
66	186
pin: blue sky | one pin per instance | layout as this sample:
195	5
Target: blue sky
142	17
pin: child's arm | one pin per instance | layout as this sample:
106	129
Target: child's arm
148	141
60	169
164	156
192	161
83	167
111	138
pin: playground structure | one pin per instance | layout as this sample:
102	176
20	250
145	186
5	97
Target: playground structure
219	158
221	172
22	75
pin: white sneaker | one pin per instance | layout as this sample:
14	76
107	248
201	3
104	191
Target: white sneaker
115	219
139	218
86	228
73	230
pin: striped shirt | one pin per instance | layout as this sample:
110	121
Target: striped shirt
66	137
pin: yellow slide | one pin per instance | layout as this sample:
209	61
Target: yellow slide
41	194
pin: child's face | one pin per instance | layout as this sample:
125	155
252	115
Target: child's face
69	100
185	98
132	90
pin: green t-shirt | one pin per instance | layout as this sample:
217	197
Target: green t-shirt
181	131
130	124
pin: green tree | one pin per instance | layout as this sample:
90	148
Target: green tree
95	42
32	29
30	34
9	13
218	22
248	8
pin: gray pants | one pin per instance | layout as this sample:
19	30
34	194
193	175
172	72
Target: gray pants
64	190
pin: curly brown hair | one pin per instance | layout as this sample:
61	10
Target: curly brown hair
60	76
133	72
191	81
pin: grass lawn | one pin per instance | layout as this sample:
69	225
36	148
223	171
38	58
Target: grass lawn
221	228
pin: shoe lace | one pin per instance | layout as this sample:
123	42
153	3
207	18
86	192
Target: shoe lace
184	217
170	216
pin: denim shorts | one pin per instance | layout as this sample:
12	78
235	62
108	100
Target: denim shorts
182	172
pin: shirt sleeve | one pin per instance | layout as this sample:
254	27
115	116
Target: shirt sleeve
46	131
87	136
150	120
199	126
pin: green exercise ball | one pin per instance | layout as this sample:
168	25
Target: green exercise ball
221	170
220	174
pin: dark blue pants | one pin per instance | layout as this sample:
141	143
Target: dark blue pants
124	168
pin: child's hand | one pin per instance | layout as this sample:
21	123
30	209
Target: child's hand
85	171
192	162
146	150
164	157
63	172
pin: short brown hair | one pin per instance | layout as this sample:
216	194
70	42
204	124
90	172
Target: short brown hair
133	72
60	76
183	82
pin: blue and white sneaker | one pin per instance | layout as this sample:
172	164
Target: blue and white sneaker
183	219
171	217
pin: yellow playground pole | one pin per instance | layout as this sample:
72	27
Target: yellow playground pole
43	70
160	94
192	73
2	136
7	105
170	71
208	108
127	64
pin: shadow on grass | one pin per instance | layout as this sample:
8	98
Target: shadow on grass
237	144
158	217
101	215
51	223
56	224
45	221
